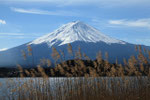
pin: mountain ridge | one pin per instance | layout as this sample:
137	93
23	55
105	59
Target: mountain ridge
75	31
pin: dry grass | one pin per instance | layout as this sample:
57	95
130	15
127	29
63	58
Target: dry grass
117	86
108	88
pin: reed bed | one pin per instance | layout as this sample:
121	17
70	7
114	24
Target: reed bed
79	88
130	81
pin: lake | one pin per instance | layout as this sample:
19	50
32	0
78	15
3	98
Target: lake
59	88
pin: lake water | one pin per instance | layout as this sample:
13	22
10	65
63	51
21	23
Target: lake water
11	88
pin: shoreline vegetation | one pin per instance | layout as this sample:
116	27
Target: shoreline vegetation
79	79
76	88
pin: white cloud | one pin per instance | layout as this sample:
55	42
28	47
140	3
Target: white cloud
11	34
2	21
125	3
116	22
19	35
3	49
83	2
44	12
131	23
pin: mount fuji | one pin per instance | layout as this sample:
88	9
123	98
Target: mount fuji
75	33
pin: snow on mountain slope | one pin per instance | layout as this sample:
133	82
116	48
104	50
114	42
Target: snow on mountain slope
75	31
77	34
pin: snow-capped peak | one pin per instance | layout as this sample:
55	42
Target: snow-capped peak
75	31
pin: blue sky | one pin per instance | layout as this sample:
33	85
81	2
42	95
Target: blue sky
22	21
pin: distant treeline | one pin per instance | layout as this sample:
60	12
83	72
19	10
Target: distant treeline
82	66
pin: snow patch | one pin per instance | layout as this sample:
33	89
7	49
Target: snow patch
75	31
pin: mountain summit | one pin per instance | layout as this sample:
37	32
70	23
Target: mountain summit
77	34
75	31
